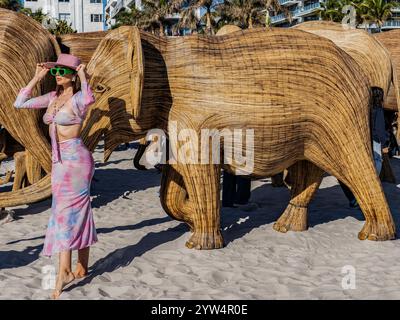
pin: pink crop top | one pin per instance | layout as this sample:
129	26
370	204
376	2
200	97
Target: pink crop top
81	100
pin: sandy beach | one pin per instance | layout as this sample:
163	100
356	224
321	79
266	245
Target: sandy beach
141	252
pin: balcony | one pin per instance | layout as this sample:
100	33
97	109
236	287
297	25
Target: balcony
119	5
288	2
281	18
396	9
308	9
391	24
278	18
116	8
111	3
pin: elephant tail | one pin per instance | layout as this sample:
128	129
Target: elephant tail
38	191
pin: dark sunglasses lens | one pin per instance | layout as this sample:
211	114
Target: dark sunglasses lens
53	71
62	72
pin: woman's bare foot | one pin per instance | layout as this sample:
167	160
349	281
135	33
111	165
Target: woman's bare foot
62	281
80	271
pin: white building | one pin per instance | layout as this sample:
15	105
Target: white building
306	10
114	6
84	15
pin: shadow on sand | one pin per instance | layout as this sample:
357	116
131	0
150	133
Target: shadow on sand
124	256
270	201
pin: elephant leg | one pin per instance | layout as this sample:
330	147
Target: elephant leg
20	170
358	172
203	185
306	178
174	197
33	168
8	176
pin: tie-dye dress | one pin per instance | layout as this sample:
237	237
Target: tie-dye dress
71	225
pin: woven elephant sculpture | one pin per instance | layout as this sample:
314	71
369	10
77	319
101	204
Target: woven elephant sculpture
23	43
390	40
370	54
305	100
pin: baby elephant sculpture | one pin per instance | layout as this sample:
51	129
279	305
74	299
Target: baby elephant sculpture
305	98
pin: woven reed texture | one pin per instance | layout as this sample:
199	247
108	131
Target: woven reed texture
304	97
308	178
369	53
228	28
24	43
391	41
82	44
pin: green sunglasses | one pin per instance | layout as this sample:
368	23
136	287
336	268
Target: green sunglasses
61	71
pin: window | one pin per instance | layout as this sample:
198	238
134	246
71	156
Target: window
95	1
64	16
63	0
96	18
32	0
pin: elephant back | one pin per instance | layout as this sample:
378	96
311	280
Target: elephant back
272	66
390	40
228	28
372	57
82	45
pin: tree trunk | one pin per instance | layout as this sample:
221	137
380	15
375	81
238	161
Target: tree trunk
161	30
208	25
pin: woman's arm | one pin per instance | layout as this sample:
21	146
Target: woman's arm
23	101
83	99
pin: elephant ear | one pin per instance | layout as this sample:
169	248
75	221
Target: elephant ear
136	64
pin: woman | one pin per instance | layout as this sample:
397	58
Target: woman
71	225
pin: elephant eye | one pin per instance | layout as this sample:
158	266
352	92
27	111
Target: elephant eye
100	88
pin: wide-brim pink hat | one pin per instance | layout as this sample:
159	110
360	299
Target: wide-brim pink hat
66	60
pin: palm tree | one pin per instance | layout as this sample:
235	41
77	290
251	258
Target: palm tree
10	4
61	27
332	10
190	20
244	13
376	11
155	13
190	7
132	17
38	15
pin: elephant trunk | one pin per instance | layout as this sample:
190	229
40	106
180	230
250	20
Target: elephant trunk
36	192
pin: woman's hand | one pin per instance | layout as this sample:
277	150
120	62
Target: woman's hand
41	71
81	69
